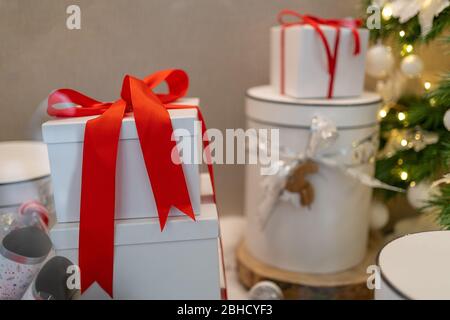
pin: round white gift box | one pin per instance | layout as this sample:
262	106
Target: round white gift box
415	267
24	174
331	235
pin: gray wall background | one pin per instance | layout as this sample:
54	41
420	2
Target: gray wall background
222	44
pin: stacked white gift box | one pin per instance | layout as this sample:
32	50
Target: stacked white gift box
180	262
316	100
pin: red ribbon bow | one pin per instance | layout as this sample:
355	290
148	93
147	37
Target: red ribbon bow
101	138
316	22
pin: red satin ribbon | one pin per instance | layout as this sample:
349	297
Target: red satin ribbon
316	22
101	138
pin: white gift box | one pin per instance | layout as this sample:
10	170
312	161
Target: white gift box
306	65
330	235
134	196
182	262
414	267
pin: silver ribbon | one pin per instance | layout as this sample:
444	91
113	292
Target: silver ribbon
323	134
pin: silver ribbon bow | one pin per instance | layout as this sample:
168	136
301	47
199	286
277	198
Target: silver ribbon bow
323	134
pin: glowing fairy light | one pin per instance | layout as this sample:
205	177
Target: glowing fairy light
404	175
386	12
409	48
404	142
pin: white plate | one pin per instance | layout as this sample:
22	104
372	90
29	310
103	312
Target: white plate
23	161
416	266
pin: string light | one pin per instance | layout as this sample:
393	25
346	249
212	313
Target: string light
404	175
427	85
386	12
400	161
433	102
402	33
404	142
406	49
382	113
401	116
412	184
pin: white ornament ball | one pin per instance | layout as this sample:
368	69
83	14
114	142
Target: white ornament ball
265	290
379	61
412	66
419	194
380	215
447	120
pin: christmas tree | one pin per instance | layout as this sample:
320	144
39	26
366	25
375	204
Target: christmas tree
415	141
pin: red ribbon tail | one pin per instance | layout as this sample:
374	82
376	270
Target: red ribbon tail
155	130
357	41
282	59
187	210
333	63
163	214
207	151
96	243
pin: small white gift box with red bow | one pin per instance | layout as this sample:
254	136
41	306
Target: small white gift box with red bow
65	138
317	58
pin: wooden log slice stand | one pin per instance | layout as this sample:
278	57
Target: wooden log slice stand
350	284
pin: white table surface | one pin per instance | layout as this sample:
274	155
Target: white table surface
232	228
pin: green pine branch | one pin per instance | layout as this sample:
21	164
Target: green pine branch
392	27
425	111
